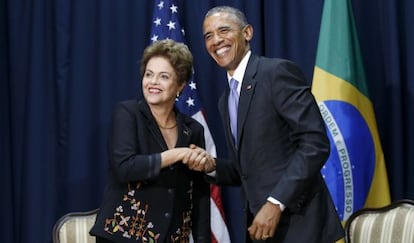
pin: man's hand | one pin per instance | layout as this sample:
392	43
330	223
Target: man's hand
198	159
265	223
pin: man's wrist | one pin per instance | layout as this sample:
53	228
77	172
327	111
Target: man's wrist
276	202
211	173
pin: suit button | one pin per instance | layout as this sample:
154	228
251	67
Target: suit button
167	215
244	177
170	190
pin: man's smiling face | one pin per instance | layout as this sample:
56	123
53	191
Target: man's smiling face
226	41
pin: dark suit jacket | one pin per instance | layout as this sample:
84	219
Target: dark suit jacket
142	200
282	146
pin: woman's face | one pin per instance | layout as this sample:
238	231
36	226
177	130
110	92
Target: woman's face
159	82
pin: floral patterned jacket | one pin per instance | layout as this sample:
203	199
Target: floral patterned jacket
142	202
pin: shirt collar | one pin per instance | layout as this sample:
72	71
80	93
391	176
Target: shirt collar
240	70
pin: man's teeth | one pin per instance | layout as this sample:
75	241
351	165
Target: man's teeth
221	51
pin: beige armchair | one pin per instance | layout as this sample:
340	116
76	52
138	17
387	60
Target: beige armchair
74	227
393	223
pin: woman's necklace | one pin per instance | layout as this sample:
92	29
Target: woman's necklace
171	127
170	118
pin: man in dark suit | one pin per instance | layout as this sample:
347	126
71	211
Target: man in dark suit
280	142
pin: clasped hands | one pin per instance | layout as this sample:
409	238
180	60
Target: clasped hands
199	159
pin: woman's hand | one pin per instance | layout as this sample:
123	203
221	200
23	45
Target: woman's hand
198	159
174	155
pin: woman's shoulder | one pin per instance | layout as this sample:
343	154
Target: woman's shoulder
128	103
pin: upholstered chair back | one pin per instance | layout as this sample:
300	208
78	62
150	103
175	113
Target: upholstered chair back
390	224
74	227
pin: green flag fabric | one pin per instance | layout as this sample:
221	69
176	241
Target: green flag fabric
355	172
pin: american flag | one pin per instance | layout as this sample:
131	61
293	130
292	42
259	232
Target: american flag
165	25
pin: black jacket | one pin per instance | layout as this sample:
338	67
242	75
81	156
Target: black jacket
141	201
282	146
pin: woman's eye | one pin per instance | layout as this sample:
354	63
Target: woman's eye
147	74
165	77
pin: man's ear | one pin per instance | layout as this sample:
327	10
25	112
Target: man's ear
248	32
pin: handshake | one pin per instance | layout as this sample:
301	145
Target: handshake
198	159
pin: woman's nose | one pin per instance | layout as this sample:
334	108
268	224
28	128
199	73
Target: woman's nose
154	80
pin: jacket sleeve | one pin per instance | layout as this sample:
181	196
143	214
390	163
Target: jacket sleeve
309	141
201	198
126	157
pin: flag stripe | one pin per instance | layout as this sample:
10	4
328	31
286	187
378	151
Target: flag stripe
219	228
338	48
210	146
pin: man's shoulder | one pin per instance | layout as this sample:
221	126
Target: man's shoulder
273	64
273	60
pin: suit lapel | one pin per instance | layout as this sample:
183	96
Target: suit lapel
246	94
151	124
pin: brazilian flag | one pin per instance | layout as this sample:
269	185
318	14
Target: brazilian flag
355	172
